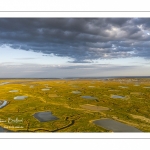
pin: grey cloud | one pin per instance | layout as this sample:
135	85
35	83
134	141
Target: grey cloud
45	71
82	39
24	58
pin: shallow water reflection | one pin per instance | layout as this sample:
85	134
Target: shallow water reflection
115	126
3	103
20	97
13	91
76	92
45	116
89	97
117	96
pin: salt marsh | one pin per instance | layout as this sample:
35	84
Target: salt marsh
63	108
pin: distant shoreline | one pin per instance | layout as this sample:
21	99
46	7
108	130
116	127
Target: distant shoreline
107	77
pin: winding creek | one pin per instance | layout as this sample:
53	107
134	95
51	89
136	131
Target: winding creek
3	103
4	130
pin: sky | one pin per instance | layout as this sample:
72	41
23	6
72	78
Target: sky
74	47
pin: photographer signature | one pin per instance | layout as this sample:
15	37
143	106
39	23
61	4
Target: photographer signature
10	120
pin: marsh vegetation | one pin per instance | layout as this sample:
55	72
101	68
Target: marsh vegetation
74	105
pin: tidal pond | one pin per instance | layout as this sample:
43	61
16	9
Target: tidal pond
123	87
117	96
76	92
45	116
20	97
13	91
89	97
115	126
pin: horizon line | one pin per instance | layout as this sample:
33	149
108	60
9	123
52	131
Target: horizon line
77	77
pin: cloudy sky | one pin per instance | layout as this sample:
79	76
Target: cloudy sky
74	47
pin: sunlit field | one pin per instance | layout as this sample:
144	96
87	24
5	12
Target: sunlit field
74	104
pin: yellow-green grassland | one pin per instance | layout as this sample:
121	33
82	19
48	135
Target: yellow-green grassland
76	114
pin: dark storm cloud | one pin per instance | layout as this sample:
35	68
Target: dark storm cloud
83	39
